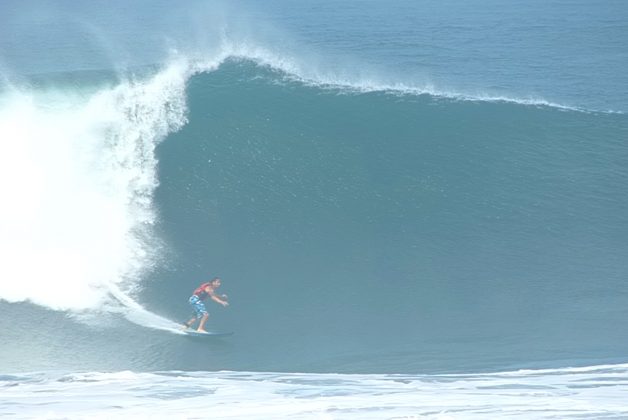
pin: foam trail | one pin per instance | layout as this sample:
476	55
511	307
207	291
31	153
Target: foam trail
139	315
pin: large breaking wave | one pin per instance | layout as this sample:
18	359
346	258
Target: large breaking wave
79	172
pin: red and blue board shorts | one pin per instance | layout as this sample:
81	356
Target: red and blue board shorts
198	305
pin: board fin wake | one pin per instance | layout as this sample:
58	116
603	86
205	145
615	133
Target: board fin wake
208	334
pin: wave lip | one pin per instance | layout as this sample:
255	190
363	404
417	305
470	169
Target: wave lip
315	71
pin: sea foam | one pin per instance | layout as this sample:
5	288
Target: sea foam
589	392
78	171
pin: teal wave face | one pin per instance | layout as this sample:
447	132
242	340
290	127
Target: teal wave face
354	232
374	223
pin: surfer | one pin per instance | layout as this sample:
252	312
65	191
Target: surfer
201	293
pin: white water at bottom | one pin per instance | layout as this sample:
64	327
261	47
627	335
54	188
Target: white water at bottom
588	392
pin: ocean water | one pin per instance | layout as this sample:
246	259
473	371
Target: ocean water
593	392
418	209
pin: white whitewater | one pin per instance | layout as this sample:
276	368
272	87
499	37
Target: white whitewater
570	393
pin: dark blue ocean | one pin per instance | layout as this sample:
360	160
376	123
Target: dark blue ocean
418	209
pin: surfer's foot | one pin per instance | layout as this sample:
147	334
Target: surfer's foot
185	326
202	331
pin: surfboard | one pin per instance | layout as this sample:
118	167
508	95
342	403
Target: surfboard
208	334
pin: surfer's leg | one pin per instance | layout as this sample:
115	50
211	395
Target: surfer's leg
203	321
194	301
189	323
200	311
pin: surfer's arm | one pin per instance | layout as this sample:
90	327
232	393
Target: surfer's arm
219	300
